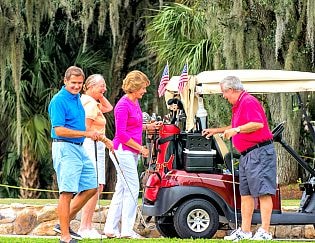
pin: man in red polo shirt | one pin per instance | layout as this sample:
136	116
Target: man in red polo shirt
252	137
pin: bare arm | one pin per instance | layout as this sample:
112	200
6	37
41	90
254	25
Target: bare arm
246	128
70	133
105	105
144	151
251	127
211	131
88	123
102	137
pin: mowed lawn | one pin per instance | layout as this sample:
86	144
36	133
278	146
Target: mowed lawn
293	202
160	240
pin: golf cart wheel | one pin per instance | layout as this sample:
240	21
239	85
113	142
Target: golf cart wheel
165	225
196	218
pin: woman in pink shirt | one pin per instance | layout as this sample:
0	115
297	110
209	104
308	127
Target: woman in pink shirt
128	147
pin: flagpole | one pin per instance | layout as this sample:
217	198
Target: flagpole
164	80
187	67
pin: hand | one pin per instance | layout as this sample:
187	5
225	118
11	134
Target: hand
145	152
93	135
209	132
228	133
107	142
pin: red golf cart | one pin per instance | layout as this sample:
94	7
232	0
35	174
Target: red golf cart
189	189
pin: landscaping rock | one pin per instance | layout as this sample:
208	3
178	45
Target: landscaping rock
309	232
7	215
47	213
282	231
25	222
45	228
296	232
6	229
29	220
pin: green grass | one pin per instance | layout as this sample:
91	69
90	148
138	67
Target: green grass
160	240
39	201
291	202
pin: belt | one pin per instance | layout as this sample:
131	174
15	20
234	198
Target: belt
65	141
258	145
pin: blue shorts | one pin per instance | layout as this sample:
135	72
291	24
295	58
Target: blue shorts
258	172
75	171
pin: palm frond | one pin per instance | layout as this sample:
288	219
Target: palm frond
182	30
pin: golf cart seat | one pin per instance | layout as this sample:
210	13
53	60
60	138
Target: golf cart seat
221	146
224	153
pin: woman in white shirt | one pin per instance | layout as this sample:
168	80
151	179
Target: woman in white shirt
95	104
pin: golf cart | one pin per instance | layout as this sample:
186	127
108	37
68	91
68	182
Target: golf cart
191	186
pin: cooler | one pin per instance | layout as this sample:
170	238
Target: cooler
200	161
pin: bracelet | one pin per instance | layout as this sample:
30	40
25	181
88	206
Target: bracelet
104	139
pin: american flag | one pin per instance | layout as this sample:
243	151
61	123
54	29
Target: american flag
183	79
164	80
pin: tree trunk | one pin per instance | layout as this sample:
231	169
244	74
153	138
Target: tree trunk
281	110
29	176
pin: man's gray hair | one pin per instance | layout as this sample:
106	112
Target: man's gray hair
232	82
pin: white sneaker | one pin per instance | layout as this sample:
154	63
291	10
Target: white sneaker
238	234
111	235
261	234
90	234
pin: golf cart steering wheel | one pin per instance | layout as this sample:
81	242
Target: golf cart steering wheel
277	132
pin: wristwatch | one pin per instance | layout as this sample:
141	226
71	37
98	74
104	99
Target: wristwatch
237	129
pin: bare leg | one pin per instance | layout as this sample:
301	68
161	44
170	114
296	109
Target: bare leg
64	215
266	210
88	211
80	200
247	209
67	209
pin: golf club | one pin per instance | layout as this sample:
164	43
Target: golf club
233	182
98	193
120	172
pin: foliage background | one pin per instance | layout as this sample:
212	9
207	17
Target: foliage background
40	39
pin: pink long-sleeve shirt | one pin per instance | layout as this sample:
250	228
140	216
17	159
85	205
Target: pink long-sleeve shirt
128	122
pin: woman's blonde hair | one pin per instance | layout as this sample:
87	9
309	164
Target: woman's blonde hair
92	80
134	81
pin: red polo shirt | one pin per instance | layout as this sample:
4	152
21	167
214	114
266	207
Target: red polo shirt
248	109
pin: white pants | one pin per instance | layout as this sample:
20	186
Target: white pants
123	207
89	146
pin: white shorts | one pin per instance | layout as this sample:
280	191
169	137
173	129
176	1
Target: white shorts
98	159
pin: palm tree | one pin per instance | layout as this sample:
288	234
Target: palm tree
73	28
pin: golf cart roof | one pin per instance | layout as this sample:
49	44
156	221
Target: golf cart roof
254	81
